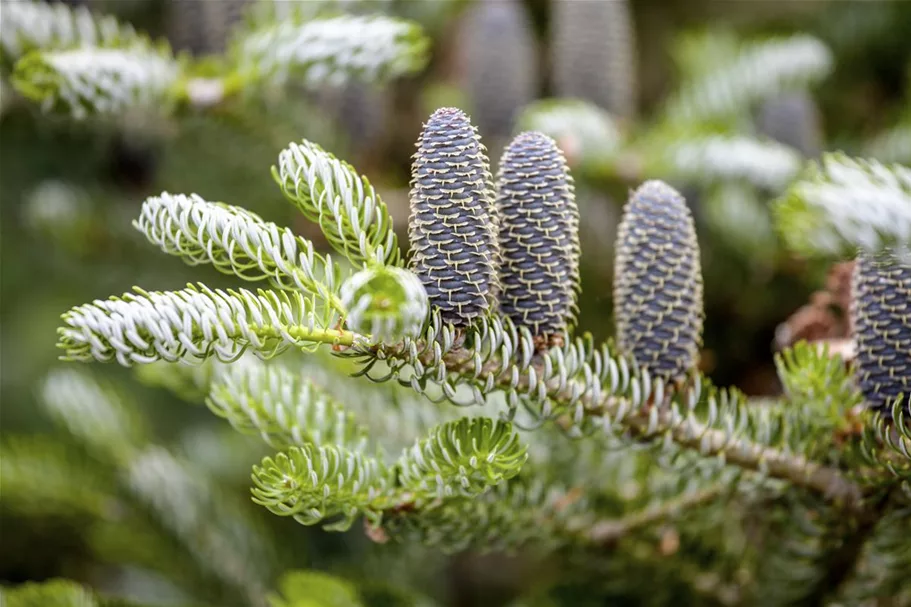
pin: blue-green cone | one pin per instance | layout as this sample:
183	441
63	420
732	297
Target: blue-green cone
453	229
792	119
203	27
498	65
539	236
658	283
881	312
593	46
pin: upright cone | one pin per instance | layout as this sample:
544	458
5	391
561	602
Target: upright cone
539	236
453	226
881	314
498	62
658	283
593	46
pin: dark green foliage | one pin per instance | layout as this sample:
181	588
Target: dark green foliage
539	235
881	312
658	282
452	226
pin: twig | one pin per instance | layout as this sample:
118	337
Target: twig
609	531
828	482
687	432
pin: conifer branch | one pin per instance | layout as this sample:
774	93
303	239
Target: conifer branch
31	24
842	204
332	50
884	560
584	132
98	81
194	324
283	407
609	531
515	514
52	592
93	413
41	475
330	193
269	12
461	458
758	71
795	468
765	164
218	535
313	483
584	382
238	242
892	145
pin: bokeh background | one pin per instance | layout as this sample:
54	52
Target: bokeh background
69	191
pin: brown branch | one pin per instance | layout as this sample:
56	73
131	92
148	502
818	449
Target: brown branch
609	531
828	482
690	434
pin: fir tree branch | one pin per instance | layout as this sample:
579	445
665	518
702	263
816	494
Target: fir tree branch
40	475
192	325
884	561
766	164
331	50
189	507
843	204
238	242
795	468
283	407
893	145
759	71
270	12
585	132
515	514
215	532
52	592
461	458
609	531
98	81
314	588
330	193
31	24
313	483
582	382
92	412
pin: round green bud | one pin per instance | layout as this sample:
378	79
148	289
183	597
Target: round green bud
387	303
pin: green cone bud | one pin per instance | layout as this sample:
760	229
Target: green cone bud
387	303
658	282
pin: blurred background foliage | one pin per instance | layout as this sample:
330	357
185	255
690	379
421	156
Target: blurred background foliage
69	191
